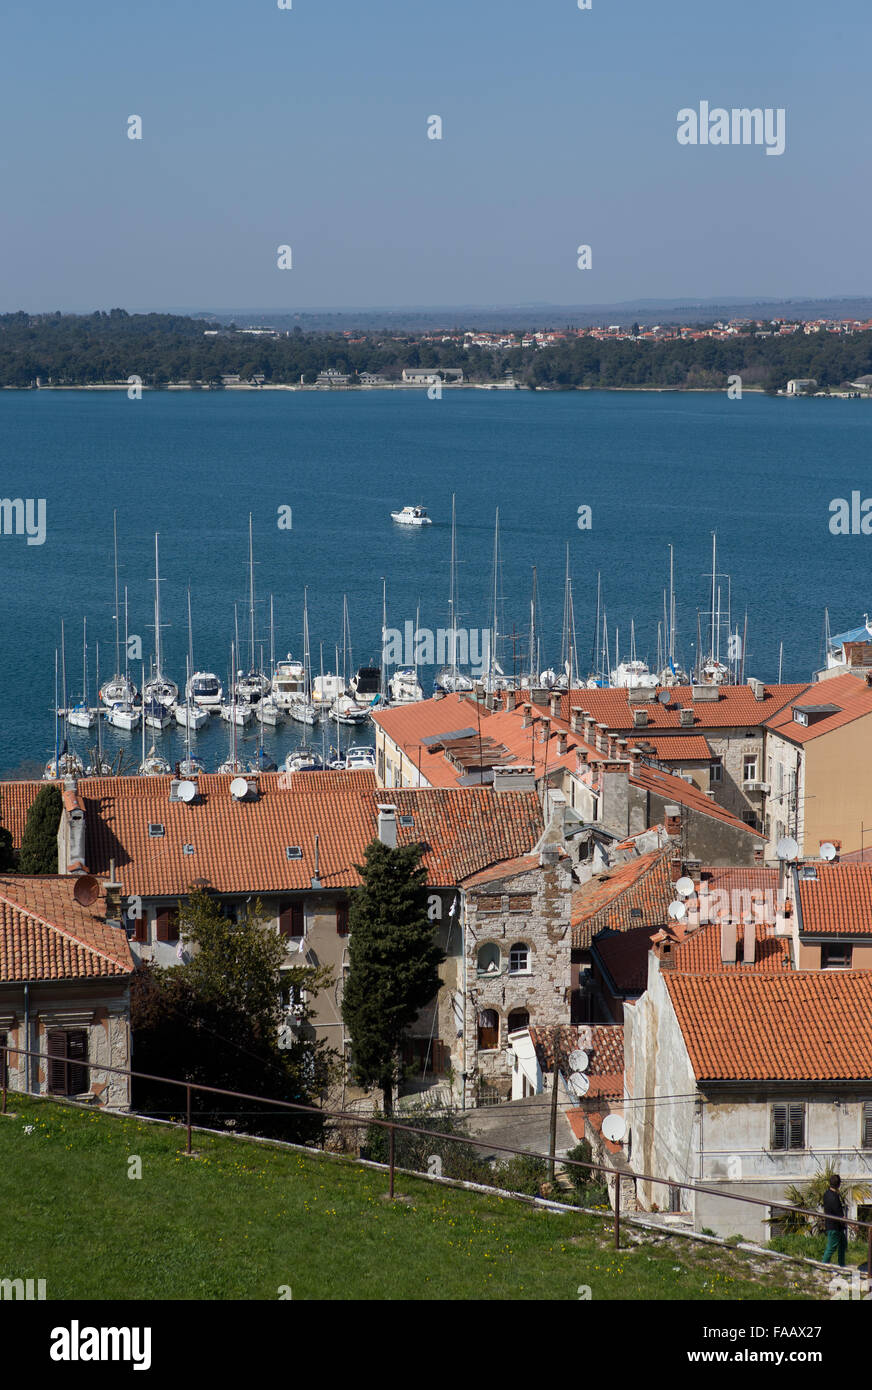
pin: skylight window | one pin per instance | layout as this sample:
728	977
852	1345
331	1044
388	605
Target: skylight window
155	831
293	852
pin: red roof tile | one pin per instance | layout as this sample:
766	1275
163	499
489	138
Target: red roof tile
612	899
604	1044
796	1026
850	694
700	952
46	935
735	707
837	902
674	788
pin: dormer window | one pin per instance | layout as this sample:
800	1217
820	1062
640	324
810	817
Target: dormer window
800	717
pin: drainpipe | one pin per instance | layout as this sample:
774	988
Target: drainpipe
27	1059
464	977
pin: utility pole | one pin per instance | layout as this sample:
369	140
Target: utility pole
552	1143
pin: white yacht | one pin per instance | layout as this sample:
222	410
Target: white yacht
120	688
404	686
326	690
153	765
189	716
237	713
359	758
632	675
344	710
365	687
204	690
123	715
412	516
302	760
288	682
158	687
251	686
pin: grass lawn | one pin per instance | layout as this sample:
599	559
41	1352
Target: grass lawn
242	1220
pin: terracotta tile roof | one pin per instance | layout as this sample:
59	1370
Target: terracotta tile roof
611	899
240	847
504	741
850	694
509	868
738	880
797	1026
624	954
837	902
16	799
736	706
46	935
674	788
604	1044
700	952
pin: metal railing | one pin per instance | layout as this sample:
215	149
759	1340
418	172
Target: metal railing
392	1126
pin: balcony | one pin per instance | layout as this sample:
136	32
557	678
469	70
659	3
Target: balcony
754	786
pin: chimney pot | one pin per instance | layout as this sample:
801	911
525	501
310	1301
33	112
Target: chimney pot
527	719
387	826
555	706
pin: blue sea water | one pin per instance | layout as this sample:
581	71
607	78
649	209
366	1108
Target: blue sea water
654	467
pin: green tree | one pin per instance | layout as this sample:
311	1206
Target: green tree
393	962
39	842
216	1020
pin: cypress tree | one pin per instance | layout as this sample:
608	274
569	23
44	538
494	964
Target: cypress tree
393	962
39	843
7	853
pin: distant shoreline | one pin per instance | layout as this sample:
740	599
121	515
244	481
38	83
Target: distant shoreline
390	386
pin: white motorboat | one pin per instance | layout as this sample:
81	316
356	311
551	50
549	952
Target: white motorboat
189	716
158	687
632	675
123	715
344	710
269	711
359	758
236	713
404	686
288	682
365	687
302	760
251	686
66	765
412	516
204	690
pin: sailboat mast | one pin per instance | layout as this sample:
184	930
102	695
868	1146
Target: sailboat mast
57	726
117	610
272	641
158	670
452	589
596	624
671	620
494	624
383	677
532	671
99	721
251	590
64	678
714	581
126	648
190	642
85	662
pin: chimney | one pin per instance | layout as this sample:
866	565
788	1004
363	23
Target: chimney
685	717
640	718
112	891
728	943
527	719
562	739
71	831
490	700
621	747
544	729
672	820
589	724
750	943
602	738
757	688
554	704
511	699
576	722
635	757
387	826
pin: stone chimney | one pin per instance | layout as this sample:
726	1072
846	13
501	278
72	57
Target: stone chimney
728	943
562	740
387	826
635	760
511	699
527	719
71	831
602	738
554	704
576	722
615	797
589	726
544	729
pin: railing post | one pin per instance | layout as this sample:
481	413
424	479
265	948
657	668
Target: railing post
188	1101
869	1256
391	1162
617	1211
4	1062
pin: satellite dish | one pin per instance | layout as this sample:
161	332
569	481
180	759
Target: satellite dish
684	887
787	848
578	1060
87	890
828	850
664	697
677	910
614	1128
579	1083
239	788
186	791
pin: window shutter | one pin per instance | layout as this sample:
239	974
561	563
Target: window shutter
342	919
779	1127
298	926
162	925
867	1124
286	915
77	1047
797	1126
140	929
56	1046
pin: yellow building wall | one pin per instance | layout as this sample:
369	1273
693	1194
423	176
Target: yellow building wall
838	787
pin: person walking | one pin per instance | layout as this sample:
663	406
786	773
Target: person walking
837	1232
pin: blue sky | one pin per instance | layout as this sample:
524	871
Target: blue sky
309	127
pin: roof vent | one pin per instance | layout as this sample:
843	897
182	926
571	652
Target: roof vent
640	718
757	687
706	692
808	871
187	849
155	831
407	820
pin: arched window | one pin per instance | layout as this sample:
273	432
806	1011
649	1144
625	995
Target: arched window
488	962
518	1018
488	1030
519	959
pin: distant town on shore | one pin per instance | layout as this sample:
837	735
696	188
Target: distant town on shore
166	351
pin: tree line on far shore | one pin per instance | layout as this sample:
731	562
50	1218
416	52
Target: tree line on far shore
103	348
